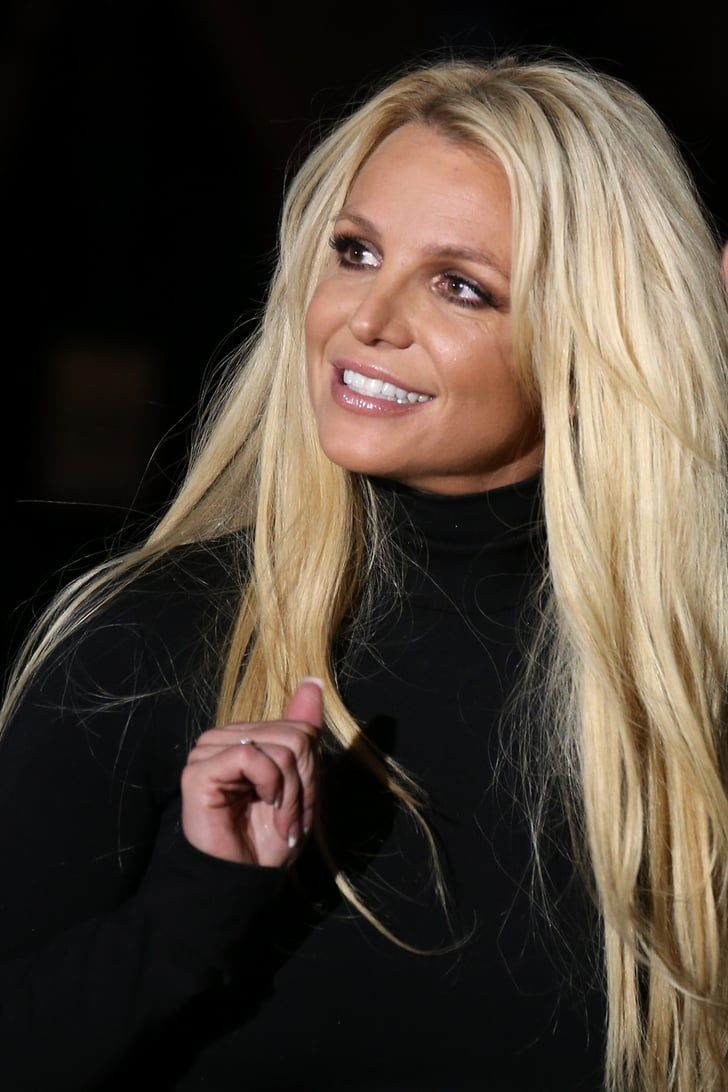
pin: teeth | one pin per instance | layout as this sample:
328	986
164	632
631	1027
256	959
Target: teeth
380	389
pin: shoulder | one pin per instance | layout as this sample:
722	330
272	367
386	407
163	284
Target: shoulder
177	601
138	676
173	599
185	594
91	756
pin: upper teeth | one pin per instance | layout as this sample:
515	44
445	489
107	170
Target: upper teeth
381	390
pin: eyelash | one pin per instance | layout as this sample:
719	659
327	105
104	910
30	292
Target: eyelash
341	241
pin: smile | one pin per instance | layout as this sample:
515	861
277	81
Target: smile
378	389
379	398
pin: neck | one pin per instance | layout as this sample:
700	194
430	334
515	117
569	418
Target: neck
533	476
477	551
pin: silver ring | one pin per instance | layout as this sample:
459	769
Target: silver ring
246	740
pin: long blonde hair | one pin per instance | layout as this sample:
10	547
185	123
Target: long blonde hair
621	339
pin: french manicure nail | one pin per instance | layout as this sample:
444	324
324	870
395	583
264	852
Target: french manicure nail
294	833
313	679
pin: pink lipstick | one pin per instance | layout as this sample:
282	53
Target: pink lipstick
364	402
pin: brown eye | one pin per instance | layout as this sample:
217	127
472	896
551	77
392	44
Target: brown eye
348	247
467	293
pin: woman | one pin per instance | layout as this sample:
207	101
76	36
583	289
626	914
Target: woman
472	477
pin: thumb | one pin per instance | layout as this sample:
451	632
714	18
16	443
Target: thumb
307	702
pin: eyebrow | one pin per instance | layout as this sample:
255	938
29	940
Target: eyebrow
431	250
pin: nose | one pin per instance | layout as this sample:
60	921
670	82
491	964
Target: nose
382	314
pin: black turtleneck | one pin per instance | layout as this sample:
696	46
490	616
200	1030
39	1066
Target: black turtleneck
130	954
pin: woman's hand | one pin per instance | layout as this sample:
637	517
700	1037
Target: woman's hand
252	803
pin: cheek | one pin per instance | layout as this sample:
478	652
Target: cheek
478	366
318	328
312	322
321	316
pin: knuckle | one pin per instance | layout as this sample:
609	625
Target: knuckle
206	736
188	776
304	742
288	761
291	783
309	799
303	727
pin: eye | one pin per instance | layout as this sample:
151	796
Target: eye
475	295
462	291
348	247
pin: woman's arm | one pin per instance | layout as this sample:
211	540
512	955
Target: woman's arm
73	1010
110	919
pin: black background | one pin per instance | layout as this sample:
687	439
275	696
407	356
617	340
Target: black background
145	150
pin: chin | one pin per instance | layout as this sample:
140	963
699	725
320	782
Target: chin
359	459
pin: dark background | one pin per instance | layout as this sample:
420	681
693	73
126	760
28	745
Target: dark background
145	147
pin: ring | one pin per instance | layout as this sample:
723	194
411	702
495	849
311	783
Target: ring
246	740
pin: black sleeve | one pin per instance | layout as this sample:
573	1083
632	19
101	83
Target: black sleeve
110	920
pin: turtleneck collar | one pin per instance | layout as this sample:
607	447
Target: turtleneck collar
472	552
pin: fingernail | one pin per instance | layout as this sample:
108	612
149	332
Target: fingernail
294	833
278	800
314	679
307	819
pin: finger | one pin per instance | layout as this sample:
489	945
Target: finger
297	736
223	767
289	800
203	751
307	703
235	765
277	739
288	817
280	741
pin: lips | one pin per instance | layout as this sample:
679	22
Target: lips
373	371
361	404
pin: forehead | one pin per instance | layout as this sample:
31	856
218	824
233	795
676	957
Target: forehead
418	180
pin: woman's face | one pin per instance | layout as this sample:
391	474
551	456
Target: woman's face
408	334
